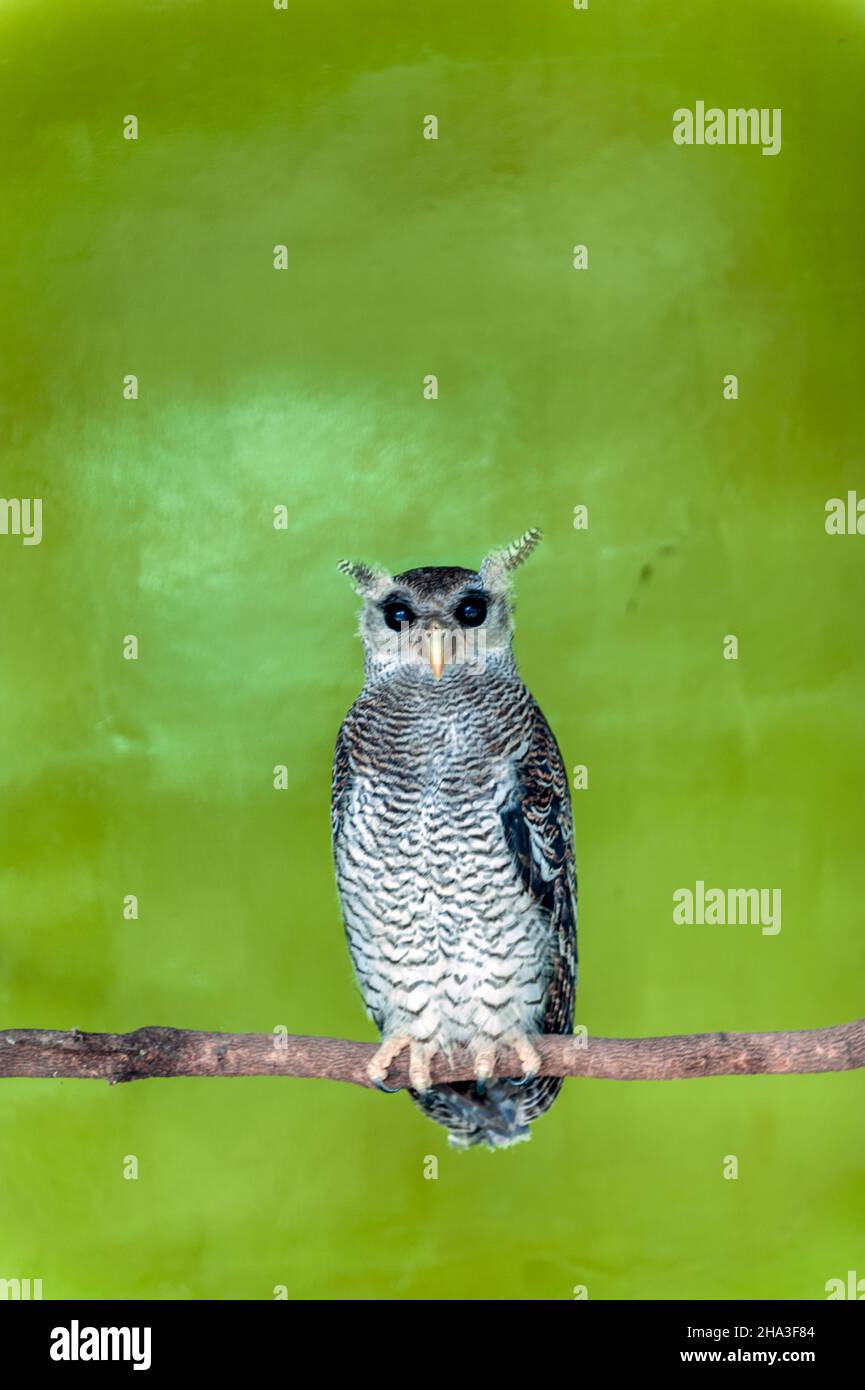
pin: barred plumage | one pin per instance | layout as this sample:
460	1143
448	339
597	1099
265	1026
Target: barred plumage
453	844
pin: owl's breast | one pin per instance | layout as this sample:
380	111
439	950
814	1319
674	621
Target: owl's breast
443	934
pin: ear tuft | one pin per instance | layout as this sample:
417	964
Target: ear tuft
499	565
368	582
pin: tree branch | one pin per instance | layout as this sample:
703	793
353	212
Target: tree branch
151	1052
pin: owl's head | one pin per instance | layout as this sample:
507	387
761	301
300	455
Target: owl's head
439	621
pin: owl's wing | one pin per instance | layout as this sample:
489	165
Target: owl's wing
539	833
340	785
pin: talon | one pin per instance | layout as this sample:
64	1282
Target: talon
380	1086
381	1061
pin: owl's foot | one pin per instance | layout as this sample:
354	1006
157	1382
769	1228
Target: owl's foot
382	1058
420	1057
530	1058
485	1059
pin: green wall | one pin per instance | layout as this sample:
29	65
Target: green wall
303	387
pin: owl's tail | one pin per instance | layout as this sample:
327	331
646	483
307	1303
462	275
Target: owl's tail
498	1116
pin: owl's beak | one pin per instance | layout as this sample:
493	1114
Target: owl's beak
436	651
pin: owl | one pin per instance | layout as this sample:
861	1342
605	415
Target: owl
453	845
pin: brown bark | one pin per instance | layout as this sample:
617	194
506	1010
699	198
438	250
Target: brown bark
151	1052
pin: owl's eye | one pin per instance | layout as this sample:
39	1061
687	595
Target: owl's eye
395	614
471	612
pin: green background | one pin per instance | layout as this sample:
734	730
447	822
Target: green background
304	388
